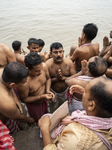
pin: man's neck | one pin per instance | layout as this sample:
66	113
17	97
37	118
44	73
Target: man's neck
6	85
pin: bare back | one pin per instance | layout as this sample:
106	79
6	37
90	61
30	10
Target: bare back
84	52
6	55
20	58
67	69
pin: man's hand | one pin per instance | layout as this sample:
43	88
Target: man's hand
80	41
44	122
66	121
53	96
30	121
106	42
76	89
84	68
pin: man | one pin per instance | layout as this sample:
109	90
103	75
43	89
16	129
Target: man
16	45
83	130
59	68
41	44
33	46
86	48
6	56
37	89
106	44
96	66
14	75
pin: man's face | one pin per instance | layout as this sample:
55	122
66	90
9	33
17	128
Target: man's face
40	49
111	34
33	48
57	55
37	70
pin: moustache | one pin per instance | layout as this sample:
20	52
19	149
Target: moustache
58	57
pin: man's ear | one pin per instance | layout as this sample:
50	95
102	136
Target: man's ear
12	85
28	47
91	105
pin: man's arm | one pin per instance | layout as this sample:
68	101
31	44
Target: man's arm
109	73
10	55
11	111
75	55
44	124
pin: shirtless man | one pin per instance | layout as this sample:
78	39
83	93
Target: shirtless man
41	44
106	44
59	68
86	49
14	75
33	46
6	56
37	89
95	67
16	45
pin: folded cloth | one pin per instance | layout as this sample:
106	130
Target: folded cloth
6	142
91	122
13	126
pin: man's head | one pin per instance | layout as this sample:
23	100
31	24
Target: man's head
56	50
16	45
97	66
41	44
34	63
15	74
33	45
97	98
90	30
111	34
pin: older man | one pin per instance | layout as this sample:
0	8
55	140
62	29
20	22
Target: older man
89	129
59	68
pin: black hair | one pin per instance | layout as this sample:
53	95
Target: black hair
41	42
55	45
14	72
32	59
33	41
16	45
98	67
103	97
90	30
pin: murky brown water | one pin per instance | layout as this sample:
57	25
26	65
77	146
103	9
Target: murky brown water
52	20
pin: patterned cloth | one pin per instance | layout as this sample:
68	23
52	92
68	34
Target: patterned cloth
6	142
13	125
91	122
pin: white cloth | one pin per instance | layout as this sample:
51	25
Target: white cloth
75	104
59	100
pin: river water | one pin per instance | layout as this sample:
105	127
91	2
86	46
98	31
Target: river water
53	20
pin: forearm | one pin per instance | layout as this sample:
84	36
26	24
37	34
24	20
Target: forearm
109	73
103	51
48	85
46	137
31	99
107	55
23	118
75	75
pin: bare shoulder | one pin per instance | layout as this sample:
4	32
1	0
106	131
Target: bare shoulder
49	62
67	60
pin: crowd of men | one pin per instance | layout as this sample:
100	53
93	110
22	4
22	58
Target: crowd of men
44	81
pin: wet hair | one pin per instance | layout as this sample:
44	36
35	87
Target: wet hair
90	31
41	42
16	45
32	59
98	67
103	97
55	45
14	72
33	41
